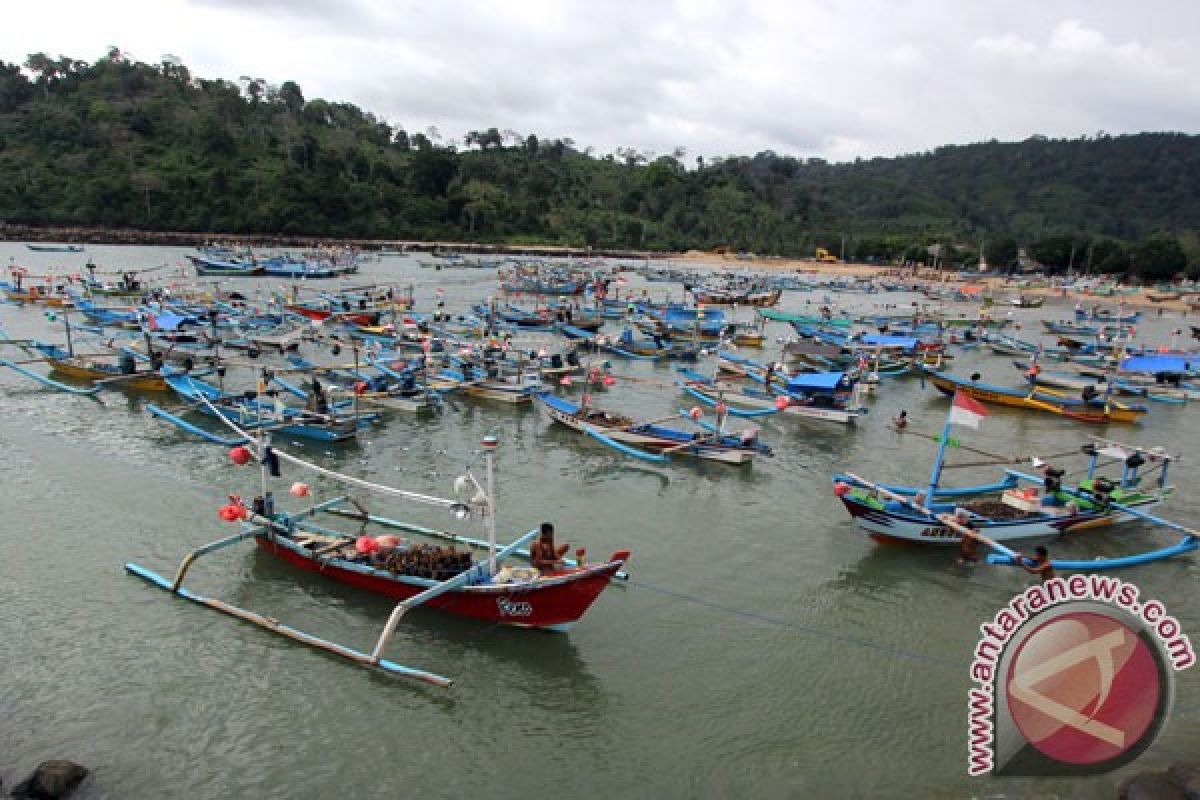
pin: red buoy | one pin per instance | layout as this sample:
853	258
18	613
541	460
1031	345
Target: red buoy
840	488
239	455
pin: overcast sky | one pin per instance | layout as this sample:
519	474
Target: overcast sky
822	78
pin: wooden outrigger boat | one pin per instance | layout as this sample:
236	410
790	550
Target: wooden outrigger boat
446	579
45	296
827	396
332	425
628	346
102	369
758	298
494	380
1069	328
1005	512
1102	409
1025	301
124	371
652	441
803	319
404	389
55	248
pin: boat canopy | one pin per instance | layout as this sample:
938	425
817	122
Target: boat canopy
881	340
1179	362
168	321
815	381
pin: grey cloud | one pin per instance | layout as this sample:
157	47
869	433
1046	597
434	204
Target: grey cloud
804	77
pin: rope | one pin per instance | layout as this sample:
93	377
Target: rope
337	476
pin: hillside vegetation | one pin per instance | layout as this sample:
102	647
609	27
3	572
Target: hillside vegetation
119	143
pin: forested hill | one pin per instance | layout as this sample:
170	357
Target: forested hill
124	144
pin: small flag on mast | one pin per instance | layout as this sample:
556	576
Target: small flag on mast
966	411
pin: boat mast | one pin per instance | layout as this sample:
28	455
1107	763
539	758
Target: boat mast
936	474
490	443
67	323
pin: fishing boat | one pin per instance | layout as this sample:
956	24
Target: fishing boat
206	265
803	319
404	388
827	396
1025	301
1107	315
1069	328
627	345
122	370
1019	506
49	296
491	377
445	578
1098	409
756	298
55	248
325	425
652	441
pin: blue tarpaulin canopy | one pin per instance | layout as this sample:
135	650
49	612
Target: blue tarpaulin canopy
815	381
1178	362
167	321
902	342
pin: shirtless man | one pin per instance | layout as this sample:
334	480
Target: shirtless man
1040	564
544	554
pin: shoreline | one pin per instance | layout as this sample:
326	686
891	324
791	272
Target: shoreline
691	259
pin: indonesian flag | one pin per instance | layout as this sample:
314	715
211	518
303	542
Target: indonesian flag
966	411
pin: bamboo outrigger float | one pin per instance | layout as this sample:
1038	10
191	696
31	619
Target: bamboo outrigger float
552	600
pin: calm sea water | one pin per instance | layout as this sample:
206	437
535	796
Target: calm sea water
764	648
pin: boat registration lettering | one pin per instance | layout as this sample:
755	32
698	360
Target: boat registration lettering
514	608
938	532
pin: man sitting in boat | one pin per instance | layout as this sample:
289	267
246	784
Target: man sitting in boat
317	402
1051	482
545	555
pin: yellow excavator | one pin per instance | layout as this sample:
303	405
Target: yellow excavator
826	257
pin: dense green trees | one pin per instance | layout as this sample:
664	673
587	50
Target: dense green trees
129	144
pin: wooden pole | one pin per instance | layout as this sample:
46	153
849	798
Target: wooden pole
945	519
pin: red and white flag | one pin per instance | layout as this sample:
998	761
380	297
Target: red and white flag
966	411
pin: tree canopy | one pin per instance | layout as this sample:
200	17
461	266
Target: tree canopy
121	143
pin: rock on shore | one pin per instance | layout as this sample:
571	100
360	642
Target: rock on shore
51	780
1181	781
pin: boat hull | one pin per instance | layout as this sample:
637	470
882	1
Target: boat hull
1040	401
149	382
651	442
554	602
891	524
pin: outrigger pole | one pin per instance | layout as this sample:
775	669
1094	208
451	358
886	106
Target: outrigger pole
1189	543
262	525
